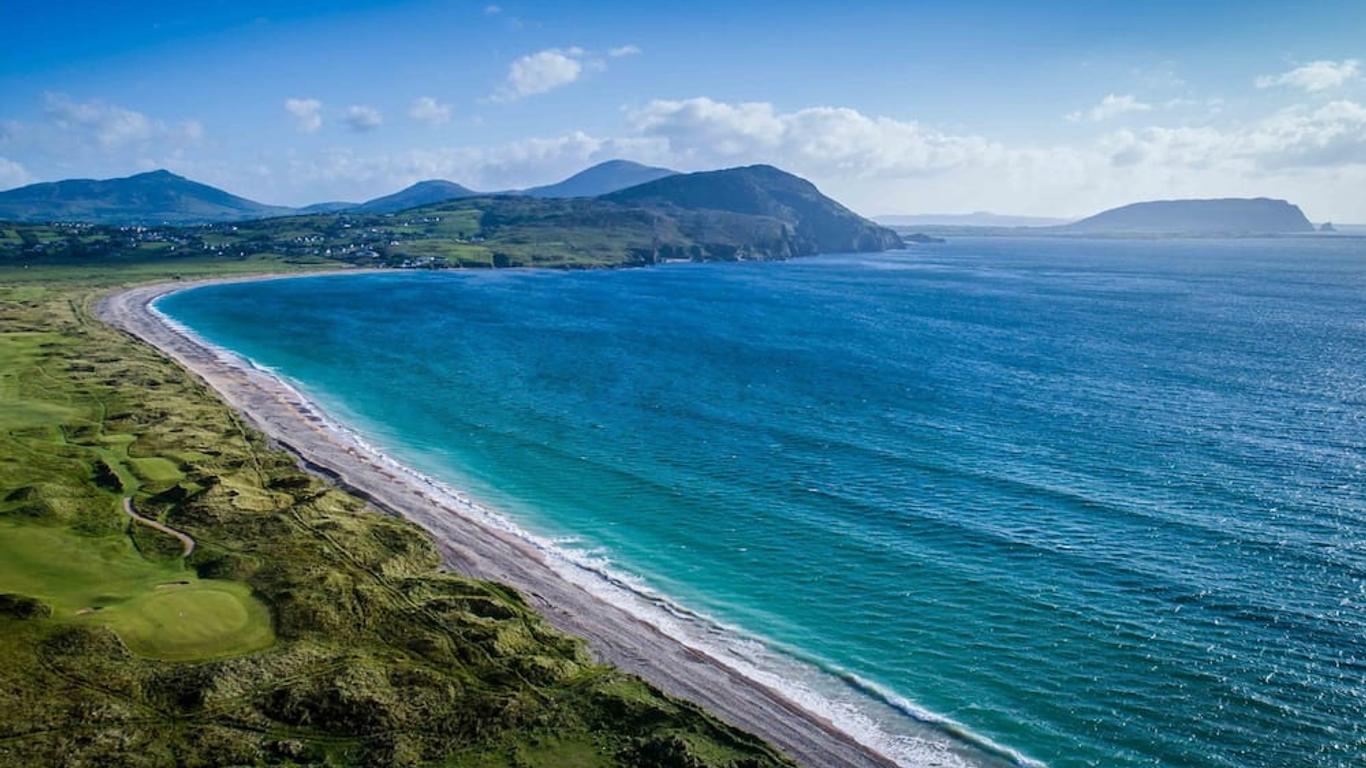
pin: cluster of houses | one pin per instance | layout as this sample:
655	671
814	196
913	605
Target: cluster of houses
351	240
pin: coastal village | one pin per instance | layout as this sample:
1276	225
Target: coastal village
360	240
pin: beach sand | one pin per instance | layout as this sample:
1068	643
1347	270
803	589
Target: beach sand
473	543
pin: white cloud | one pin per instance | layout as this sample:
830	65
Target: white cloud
308	114
504	166
1315	76
492	10
110	125
426	109
541	72
89	139
832	139
838	141
363	118
624	50
185	133
1332	136
1314	155
78	127
12	174
1113	105
880	164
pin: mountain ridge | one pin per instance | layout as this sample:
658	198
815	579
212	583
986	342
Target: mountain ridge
416	195
601	179
153	197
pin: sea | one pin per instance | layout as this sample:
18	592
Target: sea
1074	502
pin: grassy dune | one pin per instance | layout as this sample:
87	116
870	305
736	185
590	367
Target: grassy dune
305	628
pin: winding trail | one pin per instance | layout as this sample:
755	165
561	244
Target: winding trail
186	543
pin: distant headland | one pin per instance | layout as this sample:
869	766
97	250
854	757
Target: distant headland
1220	217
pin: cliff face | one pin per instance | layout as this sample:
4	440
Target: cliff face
1235	216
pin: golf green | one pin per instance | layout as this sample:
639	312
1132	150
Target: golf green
161	610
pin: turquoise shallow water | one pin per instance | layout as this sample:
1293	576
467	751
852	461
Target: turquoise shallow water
1099	502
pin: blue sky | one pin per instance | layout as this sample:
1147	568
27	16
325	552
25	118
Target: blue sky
1054	109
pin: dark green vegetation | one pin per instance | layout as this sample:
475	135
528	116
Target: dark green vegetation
331	206
601	179
305	628
757	212
421	193
158	197
1229	216
811	222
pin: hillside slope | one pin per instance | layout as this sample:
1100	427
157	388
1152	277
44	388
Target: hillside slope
817	224
156	197
601	179
419	194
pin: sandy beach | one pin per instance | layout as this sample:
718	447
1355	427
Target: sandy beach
474	543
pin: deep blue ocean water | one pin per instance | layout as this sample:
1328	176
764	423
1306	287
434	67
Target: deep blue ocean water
1101	502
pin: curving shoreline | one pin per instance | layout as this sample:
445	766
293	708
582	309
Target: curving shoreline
477	543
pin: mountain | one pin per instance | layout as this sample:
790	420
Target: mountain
157	197
421	193
328	207
976	219
601	179
814	222
1226	216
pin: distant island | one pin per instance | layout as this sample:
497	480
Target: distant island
1224	216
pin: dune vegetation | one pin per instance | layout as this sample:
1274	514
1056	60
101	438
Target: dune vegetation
305	628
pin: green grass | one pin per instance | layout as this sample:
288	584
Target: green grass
160	610
156	470
48	276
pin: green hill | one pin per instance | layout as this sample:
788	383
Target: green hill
814	222
157	197
421	193
601	179
331	206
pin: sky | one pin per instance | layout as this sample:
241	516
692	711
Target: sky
1046	108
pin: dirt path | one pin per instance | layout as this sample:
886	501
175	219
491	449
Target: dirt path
186	543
